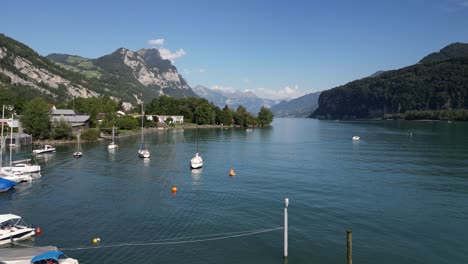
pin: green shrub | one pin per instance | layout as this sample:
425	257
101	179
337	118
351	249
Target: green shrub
90	134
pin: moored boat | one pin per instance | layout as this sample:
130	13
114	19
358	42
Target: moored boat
13	228
6	184
44	149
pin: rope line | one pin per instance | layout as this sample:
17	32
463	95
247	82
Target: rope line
169	242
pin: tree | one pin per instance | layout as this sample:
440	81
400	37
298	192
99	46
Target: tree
62	130
226	116
36	118
265	117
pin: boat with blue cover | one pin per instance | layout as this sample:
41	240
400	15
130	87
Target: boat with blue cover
6	185
53	257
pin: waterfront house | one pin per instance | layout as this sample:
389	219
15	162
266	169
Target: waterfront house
163	118
69	116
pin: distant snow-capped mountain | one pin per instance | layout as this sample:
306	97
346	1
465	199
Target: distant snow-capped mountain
249	100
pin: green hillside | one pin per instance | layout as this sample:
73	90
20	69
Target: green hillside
434	84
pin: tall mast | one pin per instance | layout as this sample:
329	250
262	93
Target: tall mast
2	143
196	133
141	122
11	138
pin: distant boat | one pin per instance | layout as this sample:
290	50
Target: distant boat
356	138
44	149
197	161
6	185
13	228
78	153
143	152
112	145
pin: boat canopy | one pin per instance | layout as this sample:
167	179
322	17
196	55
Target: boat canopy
6	184
8	217
48	255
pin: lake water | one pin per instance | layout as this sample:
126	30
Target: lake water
404	197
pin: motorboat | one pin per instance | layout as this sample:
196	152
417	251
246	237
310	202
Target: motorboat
55	257
356	138
196	162
44	149
13	228
112	145
6	185
16	176
21	166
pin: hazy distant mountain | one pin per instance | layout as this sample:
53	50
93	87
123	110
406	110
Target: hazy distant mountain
233	99
300	107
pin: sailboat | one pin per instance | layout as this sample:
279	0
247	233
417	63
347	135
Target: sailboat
143	152
78	153
113	145
197	161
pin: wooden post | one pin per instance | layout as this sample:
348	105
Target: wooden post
349	246
286	203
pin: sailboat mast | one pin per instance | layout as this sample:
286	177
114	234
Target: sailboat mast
196	133
2	143
11	139
141	122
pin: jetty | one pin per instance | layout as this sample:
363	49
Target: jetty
19	254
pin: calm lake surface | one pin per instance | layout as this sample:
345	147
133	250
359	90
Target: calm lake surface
404	197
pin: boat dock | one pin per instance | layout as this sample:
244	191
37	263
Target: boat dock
18	254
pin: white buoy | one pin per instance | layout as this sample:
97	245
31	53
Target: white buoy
286	203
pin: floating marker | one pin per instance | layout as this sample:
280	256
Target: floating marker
174	189
96	240
38	230
232	173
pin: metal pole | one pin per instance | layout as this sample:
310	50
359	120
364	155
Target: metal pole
286	203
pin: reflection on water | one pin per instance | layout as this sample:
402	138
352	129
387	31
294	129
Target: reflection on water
196	174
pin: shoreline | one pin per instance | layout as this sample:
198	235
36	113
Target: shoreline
146	130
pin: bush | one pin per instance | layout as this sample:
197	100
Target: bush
90	134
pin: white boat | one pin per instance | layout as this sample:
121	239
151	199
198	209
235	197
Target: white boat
78	153
197	161
16	176
12	228
53	257
143	152
44	149
113	145
356	138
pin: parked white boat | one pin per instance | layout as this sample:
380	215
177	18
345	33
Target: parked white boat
54	257
356	138
113	145
196	162
13	228
16	176
78	153
44	149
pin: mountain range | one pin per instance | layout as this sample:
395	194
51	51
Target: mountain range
129	76
300	107
233	99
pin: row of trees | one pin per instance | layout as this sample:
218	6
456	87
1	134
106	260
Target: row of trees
36	115
456	115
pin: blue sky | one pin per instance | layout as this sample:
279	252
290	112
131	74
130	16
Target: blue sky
277	49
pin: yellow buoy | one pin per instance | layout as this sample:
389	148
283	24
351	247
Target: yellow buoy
232	173
174	189
96	240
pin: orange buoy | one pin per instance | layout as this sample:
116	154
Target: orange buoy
38	230
232	173
174	189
